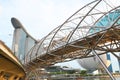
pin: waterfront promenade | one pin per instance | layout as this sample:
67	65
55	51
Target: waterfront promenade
79	77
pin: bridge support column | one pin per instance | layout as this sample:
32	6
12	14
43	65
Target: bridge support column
17	78
103	64
2	75
12	77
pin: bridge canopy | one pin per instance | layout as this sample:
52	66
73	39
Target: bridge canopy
87	21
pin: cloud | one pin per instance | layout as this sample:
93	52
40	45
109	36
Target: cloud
39	17
42	14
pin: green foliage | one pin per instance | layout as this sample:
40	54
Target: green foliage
64	72
83	73
58	72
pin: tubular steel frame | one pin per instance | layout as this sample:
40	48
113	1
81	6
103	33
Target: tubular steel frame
78	37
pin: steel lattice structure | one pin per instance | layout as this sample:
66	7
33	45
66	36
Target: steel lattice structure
93	30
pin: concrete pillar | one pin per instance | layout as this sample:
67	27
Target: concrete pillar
12	77
2	75
17	78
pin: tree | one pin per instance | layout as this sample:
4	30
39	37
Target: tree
83	72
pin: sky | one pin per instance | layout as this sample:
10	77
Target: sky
39	17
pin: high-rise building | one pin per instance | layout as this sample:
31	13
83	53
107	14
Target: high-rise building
22	41
109	58
114	66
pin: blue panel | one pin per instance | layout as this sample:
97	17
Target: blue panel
105	22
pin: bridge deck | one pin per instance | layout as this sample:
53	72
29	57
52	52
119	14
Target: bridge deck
98	41
10	67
